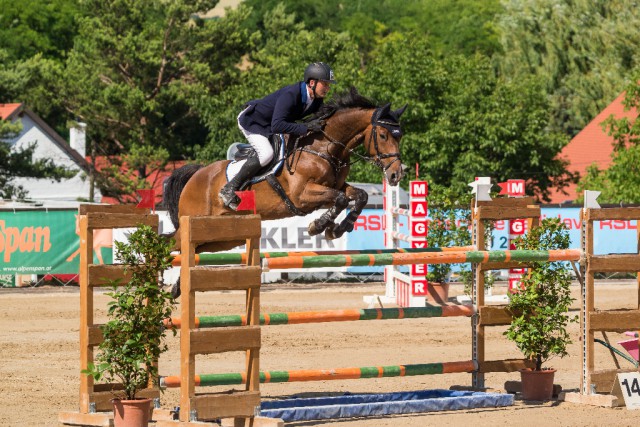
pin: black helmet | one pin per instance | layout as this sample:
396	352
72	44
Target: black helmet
318	71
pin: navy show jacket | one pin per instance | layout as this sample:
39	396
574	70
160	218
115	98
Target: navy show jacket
278	112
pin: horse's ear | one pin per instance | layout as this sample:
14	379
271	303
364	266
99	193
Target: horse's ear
399	112
354	91
384	110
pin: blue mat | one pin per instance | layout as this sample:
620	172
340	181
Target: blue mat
369	405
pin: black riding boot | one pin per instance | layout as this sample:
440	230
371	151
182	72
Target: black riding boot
248	170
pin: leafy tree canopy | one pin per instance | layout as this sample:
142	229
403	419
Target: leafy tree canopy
463	121
583	50
34	27
138	68
289	48
454	26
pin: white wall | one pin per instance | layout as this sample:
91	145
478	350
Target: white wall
49	189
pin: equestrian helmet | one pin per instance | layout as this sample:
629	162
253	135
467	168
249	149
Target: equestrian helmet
318	71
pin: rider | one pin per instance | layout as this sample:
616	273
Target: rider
278	113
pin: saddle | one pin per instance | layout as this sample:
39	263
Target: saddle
243	151
268	172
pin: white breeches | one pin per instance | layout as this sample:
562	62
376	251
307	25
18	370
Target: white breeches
259	143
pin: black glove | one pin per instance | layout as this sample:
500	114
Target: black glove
315	125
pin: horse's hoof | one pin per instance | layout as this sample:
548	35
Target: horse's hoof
312	230
333	233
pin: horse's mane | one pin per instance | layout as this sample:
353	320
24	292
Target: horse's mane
347	99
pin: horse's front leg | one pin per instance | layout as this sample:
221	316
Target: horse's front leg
318	195
360	198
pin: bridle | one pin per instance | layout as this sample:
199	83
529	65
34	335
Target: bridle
377	158
338	164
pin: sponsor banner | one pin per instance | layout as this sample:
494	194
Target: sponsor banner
610	237
45	242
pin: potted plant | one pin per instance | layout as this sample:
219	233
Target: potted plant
540	309
448	226
133	337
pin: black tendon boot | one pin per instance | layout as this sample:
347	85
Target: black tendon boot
228	192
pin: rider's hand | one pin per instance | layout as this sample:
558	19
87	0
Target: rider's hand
315	125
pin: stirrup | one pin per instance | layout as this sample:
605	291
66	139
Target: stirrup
229	198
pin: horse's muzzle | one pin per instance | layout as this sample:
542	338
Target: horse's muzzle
394	175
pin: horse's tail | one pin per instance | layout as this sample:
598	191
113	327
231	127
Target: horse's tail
173	188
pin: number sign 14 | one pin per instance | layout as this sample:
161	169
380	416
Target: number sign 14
627	386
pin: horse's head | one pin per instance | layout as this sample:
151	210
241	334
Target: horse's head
383	142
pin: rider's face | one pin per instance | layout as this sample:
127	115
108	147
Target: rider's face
322	88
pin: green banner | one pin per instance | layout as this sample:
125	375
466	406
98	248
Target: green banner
46	242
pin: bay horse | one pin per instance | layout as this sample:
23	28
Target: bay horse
315	177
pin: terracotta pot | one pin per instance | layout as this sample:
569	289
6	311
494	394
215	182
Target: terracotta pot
131	413
438	293
537	385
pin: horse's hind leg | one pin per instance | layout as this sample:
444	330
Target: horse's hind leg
360	198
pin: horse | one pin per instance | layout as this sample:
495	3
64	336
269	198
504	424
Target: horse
315	177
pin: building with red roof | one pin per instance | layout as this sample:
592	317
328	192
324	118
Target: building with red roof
591	145
48	144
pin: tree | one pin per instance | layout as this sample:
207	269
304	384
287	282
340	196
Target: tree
289	48
20	164
463	121
137	69
458	26
582	49
34	27
32	81
620	183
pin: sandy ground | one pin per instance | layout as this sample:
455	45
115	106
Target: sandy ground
40	366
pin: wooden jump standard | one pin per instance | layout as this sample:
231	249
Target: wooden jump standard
501	209
593	320
95	407
240	405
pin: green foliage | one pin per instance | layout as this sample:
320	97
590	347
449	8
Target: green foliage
448	226
455	26
289	48
582	49
540	308
134	336
460	26
31	27
33	81
463	121
138	68
125	174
